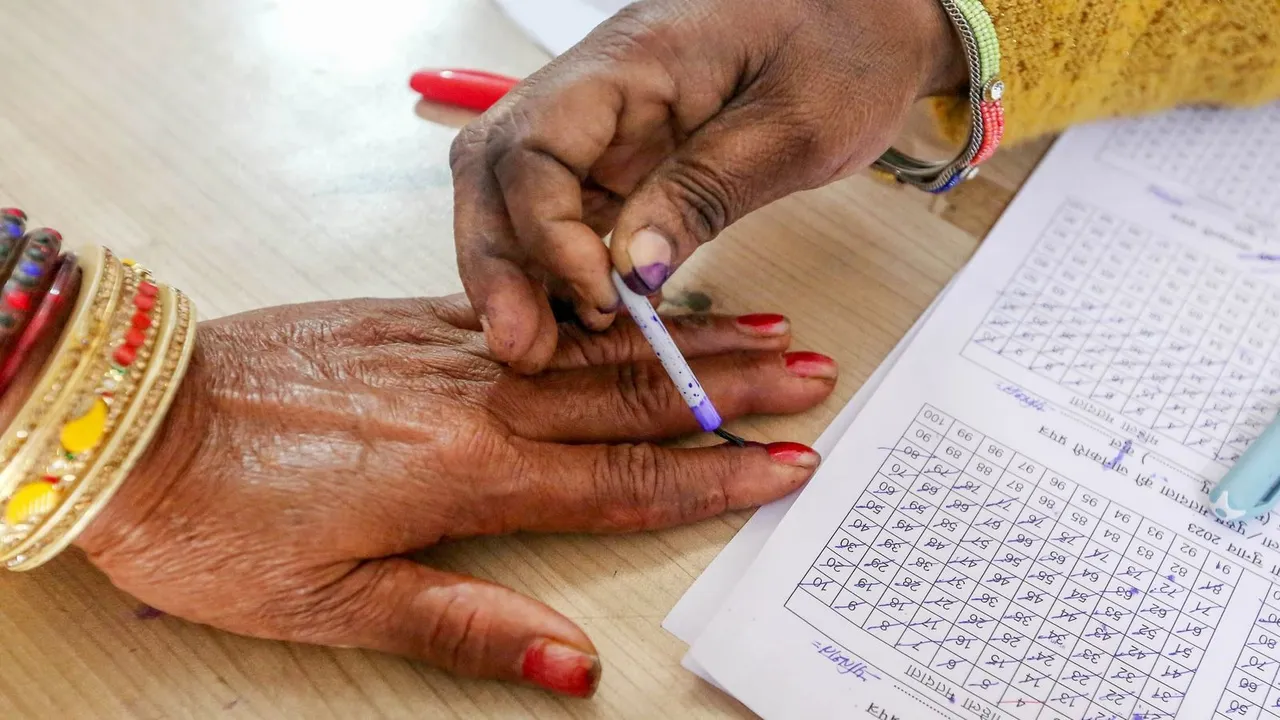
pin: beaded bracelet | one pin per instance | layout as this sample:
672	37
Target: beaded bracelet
61	290
986	90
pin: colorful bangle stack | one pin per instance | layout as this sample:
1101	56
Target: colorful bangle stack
986	90
28	280
96	404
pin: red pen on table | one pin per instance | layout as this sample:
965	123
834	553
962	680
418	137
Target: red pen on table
470	89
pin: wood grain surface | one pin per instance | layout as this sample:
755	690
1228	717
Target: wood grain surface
257	152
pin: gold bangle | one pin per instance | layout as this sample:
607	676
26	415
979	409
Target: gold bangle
104	420
146	413
76	350
99	401
44	470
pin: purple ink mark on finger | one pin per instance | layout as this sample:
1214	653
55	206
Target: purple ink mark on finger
646	279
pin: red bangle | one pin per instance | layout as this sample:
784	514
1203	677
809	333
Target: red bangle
13	223
65	285
30	276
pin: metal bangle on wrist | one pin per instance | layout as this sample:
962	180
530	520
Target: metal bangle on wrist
982	51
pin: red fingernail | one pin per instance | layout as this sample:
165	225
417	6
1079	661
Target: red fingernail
811	365
560	668
791	453
765	324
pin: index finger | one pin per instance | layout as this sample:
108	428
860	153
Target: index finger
541	153
513	310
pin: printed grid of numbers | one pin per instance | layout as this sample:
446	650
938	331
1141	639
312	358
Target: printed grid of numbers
1018	584
1232	158
1254	688
1148	329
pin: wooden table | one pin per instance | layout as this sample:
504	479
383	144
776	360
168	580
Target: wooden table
258	152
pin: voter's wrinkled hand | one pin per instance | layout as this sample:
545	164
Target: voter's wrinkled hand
669	122
312	447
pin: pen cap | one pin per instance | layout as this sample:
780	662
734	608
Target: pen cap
469	89
1252	486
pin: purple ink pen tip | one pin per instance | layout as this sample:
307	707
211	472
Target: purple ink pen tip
707	416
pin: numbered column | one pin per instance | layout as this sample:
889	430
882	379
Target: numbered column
903	517
989	521
949	540
839	576
928	637
1056	550
1250	692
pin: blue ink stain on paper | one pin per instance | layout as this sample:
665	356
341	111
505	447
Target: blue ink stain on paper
1162	194
1124	450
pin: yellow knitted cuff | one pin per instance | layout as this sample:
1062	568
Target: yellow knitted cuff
1067	62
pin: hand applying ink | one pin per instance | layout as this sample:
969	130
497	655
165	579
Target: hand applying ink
666	124
479	91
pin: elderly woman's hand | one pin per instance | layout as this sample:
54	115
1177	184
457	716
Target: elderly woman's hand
669	122
310	447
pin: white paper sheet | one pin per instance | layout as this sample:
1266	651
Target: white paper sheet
1013	526
695	609
700	602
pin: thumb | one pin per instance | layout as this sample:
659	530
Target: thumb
465	626
734	164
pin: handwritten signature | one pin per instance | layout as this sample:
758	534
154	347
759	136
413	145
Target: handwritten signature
845	665
1022	396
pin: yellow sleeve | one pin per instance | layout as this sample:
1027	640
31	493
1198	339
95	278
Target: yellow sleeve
1066	62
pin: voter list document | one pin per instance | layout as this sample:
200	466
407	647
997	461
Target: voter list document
1014	525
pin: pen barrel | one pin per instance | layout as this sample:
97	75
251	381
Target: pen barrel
650	325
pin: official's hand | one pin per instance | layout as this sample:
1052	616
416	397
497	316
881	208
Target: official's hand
669	122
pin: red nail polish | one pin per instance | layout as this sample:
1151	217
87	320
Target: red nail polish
811	365
764	323
560	668
792	453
